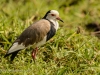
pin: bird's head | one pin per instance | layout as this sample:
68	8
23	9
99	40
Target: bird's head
52	14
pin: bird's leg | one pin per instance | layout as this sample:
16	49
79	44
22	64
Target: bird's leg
34	52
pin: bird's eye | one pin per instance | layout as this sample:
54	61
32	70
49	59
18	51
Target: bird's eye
53	14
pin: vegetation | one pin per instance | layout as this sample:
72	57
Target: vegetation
73	51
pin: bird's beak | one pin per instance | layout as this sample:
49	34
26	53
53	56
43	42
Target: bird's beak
58	18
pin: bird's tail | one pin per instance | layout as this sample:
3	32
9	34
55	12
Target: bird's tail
12	55
14	49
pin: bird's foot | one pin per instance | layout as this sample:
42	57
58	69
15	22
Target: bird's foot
34	52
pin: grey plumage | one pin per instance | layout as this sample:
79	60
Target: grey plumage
37	33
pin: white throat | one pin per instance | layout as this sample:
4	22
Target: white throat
56	24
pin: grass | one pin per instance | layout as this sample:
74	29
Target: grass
67	53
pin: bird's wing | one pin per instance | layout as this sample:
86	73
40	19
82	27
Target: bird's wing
33	34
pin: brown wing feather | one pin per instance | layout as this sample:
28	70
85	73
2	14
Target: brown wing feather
34	33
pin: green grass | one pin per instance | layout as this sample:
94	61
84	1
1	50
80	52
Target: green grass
67	53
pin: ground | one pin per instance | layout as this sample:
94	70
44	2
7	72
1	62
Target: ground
72	51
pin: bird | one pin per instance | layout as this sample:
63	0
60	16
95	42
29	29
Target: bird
36	34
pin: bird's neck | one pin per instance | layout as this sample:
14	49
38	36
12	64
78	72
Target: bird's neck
56	24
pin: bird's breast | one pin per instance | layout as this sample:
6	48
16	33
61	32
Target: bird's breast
52	31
